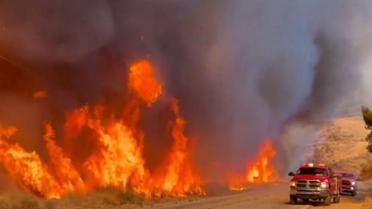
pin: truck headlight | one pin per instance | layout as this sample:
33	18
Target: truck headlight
292	184
324	185
353	183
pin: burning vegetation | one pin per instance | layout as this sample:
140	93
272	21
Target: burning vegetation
259	171
116	158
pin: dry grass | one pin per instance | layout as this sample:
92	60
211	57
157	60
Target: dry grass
102	199
21	201
366	172
118	197
343	146
109	198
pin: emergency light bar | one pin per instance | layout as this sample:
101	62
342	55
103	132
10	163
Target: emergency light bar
311	165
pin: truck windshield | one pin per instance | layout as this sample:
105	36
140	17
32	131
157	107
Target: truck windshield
312	171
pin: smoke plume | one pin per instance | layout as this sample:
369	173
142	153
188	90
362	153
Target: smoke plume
243	70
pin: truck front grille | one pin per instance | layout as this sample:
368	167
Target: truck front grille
305	185
346	183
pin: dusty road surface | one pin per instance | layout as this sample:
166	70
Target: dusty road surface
263	197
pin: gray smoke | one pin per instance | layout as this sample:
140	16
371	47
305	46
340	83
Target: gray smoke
243	70
55	30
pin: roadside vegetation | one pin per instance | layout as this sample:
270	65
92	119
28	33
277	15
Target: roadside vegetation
102	199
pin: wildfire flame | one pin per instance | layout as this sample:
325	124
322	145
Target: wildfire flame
26	167
40	94
259	171
116	159
178	176
66	174
143	83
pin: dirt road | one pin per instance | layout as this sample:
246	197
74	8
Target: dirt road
262	197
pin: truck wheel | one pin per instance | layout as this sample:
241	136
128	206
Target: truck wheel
328	200
293	200
337	199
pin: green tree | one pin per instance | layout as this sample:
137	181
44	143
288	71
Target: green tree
367	116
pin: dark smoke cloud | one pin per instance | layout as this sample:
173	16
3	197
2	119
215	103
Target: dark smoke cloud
55	30
243	70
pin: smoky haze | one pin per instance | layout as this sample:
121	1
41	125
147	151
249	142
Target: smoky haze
243	70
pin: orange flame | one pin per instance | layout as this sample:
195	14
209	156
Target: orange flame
263	171
75	122
116	159
143	83
66	174
178	177
27	168
260	171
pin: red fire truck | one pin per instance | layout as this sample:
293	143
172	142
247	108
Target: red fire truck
315	182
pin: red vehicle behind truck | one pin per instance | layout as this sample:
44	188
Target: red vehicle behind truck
315	182
349	184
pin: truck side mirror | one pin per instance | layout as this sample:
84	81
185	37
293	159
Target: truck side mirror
291	174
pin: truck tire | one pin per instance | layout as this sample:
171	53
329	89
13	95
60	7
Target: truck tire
328	200
293	200
337	199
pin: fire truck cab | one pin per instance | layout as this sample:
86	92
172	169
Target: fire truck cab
315	182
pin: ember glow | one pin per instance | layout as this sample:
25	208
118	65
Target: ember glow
259	171
116	160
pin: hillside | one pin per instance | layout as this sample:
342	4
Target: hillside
343	146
